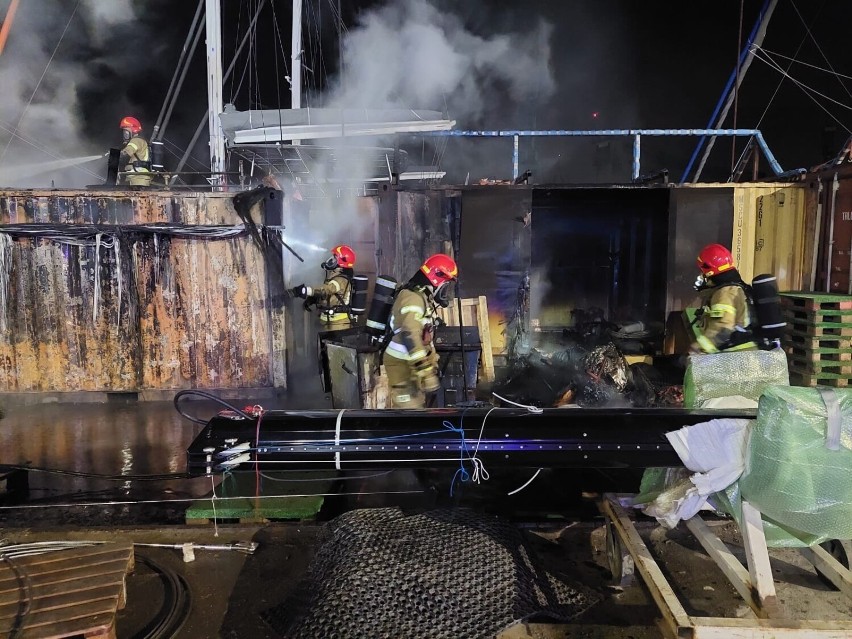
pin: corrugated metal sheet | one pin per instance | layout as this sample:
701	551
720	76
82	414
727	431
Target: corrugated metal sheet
141	313
769	230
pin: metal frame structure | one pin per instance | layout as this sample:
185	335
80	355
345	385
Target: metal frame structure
636	134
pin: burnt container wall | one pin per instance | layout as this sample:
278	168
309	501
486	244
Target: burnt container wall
494	258
134	313
598	248
834	255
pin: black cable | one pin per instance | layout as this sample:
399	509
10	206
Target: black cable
177	603
74	473
206	395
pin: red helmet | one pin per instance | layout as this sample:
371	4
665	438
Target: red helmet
129	122
440	268
714	259
343	256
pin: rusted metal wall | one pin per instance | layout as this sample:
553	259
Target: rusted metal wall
140	312
834	254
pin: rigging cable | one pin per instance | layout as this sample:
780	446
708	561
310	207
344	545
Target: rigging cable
819	48
38	84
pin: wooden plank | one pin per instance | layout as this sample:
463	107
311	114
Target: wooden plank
93	626
67	600
808	341
816	301
727	562
804	378
834	571
757	557
821	366
816	330
47	590
55	618
818	354
833	316
67	574
485	337
730	628
123	549
673	612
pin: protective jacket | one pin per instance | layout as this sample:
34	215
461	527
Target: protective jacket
136	156
725	320
410	361
412	317
333	298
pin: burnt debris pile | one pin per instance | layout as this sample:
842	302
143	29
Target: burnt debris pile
587	365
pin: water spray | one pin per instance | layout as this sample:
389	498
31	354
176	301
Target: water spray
11	174
308	246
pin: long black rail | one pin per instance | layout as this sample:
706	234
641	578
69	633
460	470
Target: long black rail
367	439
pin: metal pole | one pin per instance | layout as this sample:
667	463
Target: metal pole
515	154
636	151
163	120
296	58
748	52
227	75
214	86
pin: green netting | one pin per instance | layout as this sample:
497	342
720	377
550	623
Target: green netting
791	476
744	373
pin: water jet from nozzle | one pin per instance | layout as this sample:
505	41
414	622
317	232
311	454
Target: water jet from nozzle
12	173
306	245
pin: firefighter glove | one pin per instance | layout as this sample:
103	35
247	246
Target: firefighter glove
426	375
310	300
301	291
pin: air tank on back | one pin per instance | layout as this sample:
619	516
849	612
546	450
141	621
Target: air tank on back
767	307
359	294
379	314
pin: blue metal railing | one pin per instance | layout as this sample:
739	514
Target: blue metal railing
636	134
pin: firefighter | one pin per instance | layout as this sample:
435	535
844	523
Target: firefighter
725	321
334	296
135	154
410	360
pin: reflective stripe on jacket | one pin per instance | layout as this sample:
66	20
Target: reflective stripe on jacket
136	151
333	298
726	312
410	314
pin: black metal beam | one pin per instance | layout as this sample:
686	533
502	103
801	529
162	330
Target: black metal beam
557	438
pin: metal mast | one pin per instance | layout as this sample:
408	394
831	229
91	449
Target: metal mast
296	59
214	88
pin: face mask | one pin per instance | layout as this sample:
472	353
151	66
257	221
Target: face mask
442	295
125	135
330	264
700	282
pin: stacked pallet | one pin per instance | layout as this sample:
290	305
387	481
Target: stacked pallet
819	338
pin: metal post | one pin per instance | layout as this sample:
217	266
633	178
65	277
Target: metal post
515	153
296	58
214	87
636	151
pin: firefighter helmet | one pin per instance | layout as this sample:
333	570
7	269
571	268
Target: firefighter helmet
129	122
714	259
439	269
342	256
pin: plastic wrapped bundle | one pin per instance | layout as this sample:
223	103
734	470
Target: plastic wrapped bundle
799	462
744	373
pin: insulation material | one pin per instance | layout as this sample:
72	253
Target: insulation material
799	463
448	573
742	373
713	451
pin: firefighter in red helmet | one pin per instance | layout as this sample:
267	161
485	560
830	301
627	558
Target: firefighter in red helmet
333	297
135	158
724	322
411	361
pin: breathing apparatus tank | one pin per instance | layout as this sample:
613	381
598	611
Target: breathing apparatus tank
767	307
359	294
157	156
380	307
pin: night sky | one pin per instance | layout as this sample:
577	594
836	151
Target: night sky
616	64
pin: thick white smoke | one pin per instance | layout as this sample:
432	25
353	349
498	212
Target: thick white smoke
41	72
410	54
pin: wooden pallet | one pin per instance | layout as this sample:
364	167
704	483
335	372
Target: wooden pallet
824	315
818	367
474	313
810	342
799	377
65	593
803	353
816	301
819	329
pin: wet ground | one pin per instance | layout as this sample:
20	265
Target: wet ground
229	590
